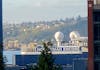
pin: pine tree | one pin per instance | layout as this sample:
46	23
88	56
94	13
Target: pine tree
45	59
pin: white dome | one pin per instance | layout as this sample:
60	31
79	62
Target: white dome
74	35
59	36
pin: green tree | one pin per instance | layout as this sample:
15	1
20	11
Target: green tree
1	62
45	59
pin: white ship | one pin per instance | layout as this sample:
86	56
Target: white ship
76	45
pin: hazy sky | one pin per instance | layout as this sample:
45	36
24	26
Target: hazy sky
38	10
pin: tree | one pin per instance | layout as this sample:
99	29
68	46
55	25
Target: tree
1	62
1	39
46	58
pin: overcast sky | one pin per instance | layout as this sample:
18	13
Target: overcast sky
39	10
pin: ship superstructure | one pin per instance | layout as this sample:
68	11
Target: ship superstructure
76	45
70	55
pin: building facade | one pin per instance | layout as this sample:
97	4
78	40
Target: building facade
94	34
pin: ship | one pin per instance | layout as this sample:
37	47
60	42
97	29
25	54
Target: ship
69	55
76	45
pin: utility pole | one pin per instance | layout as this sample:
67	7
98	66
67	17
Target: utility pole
90	36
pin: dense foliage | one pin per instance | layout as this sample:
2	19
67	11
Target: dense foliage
1	58
45	59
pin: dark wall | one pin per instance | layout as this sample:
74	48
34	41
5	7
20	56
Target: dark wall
96	30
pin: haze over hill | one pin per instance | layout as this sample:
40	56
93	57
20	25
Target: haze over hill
44	30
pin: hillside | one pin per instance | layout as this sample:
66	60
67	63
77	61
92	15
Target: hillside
38	31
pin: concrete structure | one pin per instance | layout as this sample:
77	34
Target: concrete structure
94	35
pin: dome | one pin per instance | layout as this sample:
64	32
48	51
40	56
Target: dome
59	36
74	35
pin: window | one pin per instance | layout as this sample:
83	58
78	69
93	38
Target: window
97	66
96	31
96	17
97	49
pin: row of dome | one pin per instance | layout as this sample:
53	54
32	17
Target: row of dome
73	35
